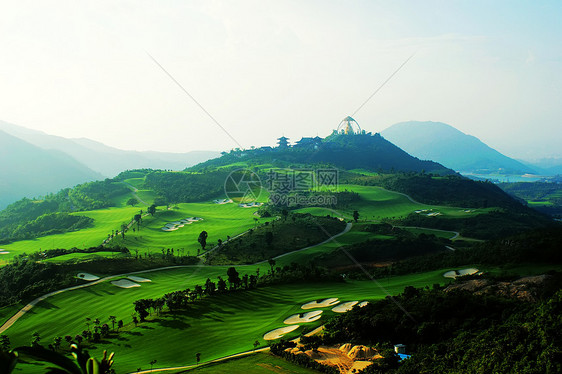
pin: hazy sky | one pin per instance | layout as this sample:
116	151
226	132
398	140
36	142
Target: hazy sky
492	69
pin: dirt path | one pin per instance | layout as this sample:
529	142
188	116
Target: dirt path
457	234
134	193
346	230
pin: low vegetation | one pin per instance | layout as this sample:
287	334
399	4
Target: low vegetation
293	231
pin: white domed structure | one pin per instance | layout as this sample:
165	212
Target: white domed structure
348	126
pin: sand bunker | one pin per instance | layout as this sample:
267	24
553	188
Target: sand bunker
280	332
321	304
173	226
124	283
87	277
250	205
304	317
345	307
362	304
459	273
4	252
222	201
429	212
138	279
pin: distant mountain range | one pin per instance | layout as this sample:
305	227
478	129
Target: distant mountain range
34	163
547	166
456	150
28	171
107	160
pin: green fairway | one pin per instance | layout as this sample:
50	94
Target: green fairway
84	256
252	364
105	220
219	220
377	203
230	323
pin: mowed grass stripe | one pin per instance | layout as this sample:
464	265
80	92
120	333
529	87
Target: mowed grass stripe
216	326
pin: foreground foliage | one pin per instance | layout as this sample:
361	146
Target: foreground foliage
461	332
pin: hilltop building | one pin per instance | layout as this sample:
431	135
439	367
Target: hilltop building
349	126
282	142
309	142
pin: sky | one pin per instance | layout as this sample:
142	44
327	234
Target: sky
107	70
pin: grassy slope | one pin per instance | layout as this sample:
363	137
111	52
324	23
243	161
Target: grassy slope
218	220
229	324
253	364
377	203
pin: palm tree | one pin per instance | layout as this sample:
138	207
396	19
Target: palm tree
152	364
113	319
86	363
8	361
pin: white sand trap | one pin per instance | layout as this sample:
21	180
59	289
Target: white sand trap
222	201
175	225
362	304
138	279
345	307
459	273
87	277
434	214
3	252
468	271
306	317
280	332
250	205
125	283
322	304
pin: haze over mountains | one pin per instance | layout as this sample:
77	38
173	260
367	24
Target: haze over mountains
444	144
34	163
29	171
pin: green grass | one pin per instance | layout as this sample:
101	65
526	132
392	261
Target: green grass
540	203
437	233
377	203
218	220
255	363
216	327
355	235
105	220
83	256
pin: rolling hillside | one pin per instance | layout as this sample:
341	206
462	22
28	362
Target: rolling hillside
360	151
444	144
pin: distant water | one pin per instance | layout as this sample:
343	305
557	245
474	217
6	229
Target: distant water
507	178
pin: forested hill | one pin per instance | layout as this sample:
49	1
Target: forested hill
360	151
